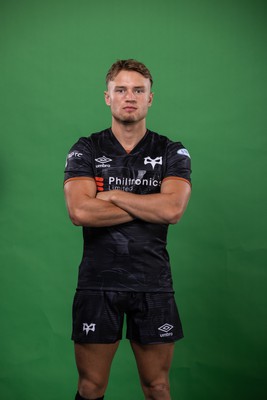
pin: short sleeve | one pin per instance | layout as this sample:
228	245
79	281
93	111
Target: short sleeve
178	162
79	160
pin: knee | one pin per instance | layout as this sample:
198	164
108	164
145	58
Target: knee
91	388
157	391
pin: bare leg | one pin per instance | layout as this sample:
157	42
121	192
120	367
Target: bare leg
154	362
93	364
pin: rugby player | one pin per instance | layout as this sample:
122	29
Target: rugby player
125	185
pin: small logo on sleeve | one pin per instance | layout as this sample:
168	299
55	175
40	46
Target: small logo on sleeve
75	154
183	152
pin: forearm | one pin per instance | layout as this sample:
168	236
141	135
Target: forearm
98	213
155	208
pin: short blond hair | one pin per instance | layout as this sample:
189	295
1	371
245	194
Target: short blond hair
128	65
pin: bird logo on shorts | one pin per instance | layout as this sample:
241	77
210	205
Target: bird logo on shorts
88	328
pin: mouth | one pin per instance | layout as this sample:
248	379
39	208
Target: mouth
129	108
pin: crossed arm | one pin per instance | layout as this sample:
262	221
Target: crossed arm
86	207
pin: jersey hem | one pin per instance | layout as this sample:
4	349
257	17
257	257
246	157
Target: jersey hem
79	178
93	289
177	178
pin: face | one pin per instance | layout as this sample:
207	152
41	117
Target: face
129	97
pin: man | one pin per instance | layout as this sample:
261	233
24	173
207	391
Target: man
124	186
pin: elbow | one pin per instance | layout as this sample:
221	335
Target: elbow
79	217
174	220
173	217
76	222
76	217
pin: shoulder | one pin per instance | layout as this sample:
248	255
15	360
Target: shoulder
99	135
165	141
87	141
174	150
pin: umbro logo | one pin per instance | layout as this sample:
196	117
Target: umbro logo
103	160
166	328
153	162
88	328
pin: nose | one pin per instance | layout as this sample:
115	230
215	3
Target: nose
129	95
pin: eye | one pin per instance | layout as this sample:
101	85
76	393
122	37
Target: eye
139	90
120	90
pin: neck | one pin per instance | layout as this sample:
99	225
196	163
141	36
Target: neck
128	134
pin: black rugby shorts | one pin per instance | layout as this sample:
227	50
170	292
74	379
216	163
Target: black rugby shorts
151	317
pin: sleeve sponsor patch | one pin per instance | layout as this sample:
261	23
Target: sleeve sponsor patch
183	152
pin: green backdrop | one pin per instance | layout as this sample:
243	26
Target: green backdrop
208	59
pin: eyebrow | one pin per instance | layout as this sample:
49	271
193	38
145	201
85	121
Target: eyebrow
124	87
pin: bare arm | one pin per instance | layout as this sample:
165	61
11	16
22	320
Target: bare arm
87	210
167	206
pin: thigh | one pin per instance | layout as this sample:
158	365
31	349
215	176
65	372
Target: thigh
153	318
94	361
153	362
96	318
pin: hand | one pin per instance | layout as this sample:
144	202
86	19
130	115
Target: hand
106	195
103	195
110	195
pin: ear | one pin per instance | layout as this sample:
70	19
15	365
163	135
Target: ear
150	99
107	98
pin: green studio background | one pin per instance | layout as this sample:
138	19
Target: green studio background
208	60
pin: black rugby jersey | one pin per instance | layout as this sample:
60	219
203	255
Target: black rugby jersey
130	256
